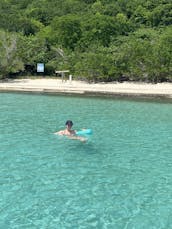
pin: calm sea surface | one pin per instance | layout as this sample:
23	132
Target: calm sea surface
121	178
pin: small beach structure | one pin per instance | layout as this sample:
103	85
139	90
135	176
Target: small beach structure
62	73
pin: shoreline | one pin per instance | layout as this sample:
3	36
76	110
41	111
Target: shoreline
113	89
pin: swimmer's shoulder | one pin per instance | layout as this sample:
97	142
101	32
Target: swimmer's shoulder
64	132
61	132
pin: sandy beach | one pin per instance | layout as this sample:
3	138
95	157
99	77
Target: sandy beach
58	86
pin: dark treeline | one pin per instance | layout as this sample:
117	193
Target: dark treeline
103	40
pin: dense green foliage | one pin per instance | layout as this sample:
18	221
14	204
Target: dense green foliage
97	40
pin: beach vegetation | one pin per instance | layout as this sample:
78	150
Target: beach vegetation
97	40
10	61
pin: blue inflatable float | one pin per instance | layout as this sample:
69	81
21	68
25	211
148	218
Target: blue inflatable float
84	132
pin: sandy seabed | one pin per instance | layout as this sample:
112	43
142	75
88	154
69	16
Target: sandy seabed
83	88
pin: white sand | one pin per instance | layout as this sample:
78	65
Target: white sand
80	87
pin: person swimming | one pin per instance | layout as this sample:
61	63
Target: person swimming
69	132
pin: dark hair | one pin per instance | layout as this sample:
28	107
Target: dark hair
69	123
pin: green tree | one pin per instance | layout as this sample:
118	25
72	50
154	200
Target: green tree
97	29
95	65
160	66
144	55
140	15
161	15
66	31
10	62
32	50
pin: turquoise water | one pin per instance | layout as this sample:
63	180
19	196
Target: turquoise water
120	178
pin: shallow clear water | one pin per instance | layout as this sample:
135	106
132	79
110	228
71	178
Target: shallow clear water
120	178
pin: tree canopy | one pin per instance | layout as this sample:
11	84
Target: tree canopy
97	40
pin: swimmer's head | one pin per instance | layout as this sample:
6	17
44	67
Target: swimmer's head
69	123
